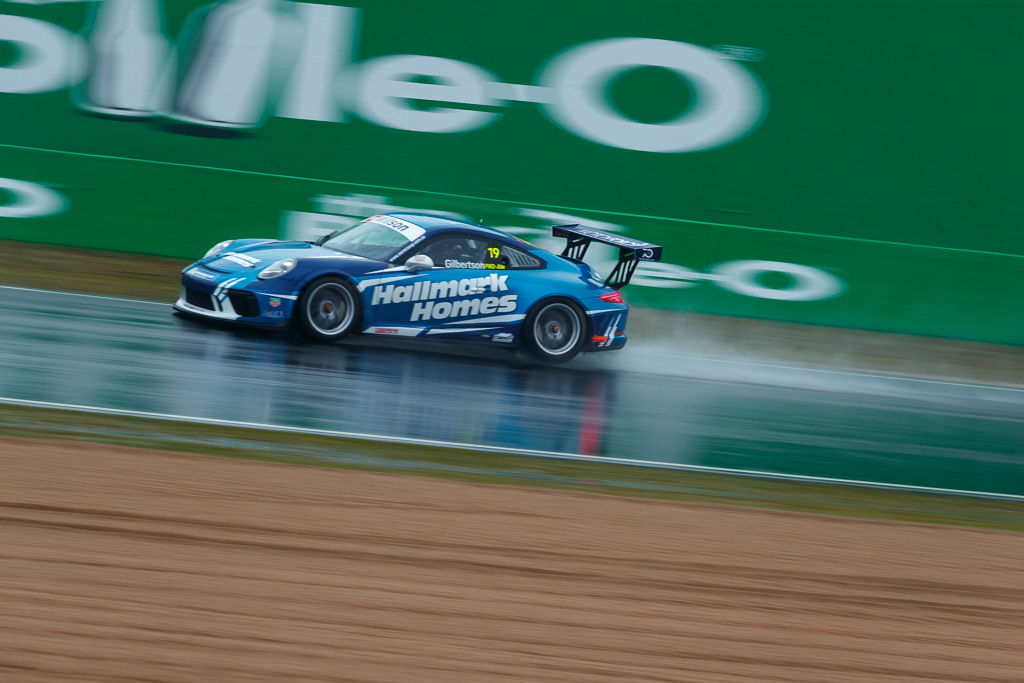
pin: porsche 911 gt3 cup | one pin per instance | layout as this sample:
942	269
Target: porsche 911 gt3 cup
417	275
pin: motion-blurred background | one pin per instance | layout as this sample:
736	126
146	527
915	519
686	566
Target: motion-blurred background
836	318
848	164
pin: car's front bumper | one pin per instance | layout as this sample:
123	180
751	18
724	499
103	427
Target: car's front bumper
232	297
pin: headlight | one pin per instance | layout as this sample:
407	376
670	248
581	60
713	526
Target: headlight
278	268
220	246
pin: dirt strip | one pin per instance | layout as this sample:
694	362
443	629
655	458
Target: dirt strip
119	564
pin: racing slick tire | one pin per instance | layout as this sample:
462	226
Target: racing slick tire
554	331
328	309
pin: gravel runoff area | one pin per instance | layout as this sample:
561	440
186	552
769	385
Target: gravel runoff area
121	564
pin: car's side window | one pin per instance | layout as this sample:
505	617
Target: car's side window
454	251
469	251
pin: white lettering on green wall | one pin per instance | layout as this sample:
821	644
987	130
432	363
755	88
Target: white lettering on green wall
245	60
29	200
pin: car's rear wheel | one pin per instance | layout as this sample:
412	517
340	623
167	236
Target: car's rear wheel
328	309
554	331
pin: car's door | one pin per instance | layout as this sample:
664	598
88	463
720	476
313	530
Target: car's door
475	281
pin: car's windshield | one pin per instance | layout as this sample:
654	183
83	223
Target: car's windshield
377	238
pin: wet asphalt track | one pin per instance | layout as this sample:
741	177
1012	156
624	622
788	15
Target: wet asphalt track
635	404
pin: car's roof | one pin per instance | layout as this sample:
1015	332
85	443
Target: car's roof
435	223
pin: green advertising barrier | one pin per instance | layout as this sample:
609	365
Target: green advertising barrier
845	164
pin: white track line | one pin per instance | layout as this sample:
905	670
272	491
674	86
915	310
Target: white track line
511	451
90	296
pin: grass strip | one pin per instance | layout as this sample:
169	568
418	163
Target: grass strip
494	468
89	271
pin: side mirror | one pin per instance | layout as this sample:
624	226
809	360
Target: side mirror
419	262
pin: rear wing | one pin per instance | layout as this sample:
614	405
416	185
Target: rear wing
631	252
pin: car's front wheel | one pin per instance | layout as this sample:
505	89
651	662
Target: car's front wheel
554	331
328	309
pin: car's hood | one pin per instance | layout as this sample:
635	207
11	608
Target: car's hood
253	255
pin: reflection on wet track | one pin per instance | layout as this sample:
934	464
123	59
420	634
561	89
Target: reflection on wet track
132	355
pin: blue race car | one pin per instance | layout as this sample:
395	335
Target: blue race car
416	275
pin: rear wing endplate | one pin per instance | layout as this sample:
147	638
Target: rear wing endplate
631	252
